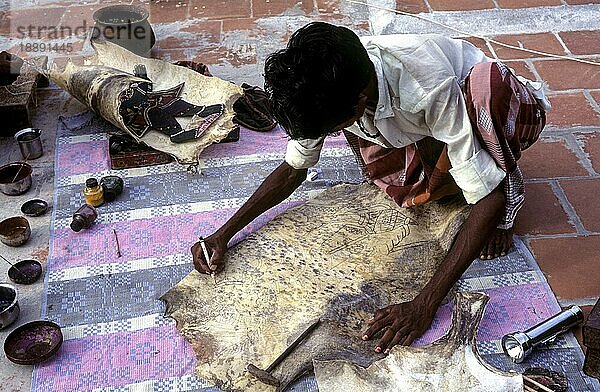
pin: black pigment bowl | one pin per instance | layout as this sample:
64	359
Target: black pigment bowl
15	178
33	342
34	207
25	272
9	305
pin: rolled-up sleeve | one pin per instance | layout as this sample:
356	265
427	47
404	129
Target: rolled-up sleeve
303	153
473	168
477	176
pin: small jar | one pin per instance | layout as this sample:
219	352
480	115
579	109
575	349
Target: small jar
83	218
94	195
112	187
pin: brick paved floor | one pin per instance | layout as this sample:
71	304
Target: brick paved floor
560	221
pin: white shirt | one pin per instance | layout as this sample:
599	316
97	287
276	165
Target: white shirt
419	79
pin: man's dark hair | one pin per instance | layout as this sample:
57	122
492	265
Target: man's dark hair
315	82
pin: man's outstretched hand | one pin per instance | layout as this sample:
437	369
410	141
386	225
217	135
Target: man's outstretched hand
217	247
404	323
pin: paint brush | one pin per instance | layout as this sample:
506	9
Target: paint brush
207	257
14	266
22	166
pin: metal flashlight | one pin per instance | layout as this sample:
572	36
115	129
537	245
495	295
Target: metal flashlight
518	345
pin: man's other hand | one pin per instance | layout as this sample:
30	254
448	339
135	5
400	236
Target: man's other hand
217	247
402	323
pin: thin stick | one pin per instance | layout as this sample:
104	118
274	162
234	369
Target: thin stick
537	384
117	241
207	257
14	266
528	389
22	166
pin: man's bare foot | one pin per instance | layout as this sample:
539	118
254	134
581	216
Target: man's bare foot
498	245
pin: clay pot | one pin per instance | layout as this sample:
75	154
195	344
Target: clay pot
126	26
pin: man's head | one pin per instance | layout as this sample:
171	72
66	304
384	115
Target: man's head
316	82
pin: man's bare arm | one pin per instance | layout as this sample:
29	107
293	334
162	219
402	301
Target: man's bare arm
407	321
278	186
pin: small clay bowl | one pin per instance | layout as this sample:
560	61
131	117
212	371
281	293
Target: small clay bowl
25	272
14	231
9	306
33	342
15	178
34	207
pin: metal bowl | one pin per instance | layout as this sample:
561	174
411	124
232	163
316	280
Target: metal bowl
33	342
9	306
14	231
15	178
25	272
34	207
30	143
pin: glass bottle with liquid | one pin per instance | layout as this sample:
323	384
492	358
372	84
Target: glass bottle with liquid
93	192
112	187
84	217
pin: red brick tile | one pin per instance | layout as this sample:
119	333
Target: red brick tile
411	6
58	3
452	5
481	44
567	74
328	6
170	55
33	22
262	8
207	31
527	3
570	265
80	16
334	17
542	212
220	9
167	11
241	55
591	145
363	25
521	68
550	159
581	42
596	96
234	24
544	42
576	2
579	193
171	42
569	110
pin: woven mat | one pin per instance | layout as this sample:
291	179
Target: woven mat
116	338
